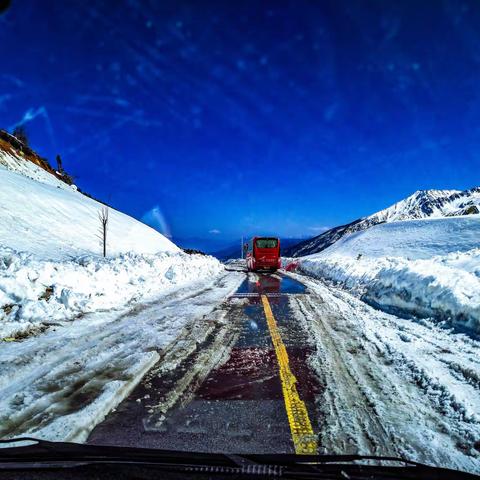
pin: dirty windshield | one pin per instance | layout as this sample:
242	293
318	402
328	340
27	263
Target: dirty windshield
147	146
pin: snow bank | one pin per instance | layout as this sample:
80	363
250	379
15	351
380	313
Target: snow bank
35	292
57	386
425	267
41	215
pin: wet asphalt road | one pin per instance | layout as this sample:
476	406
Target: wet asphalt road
236	407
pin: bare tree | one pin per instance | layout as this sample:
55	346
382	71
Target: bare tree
59	165
20	133
103	217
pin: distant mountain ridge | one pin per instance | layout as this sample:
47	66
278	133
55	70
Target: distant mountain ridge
421	204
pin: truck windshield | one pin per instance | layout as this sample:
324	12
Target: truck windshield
266	243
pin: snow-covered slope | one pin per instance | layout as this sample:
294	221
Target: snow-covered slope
51	268
44	216
428	267
422	204
412	239
15	161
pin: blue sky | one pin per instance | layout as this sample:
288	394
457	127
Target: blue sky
215	119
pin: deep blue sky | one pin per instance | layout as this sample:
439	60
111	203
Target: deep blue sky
248	116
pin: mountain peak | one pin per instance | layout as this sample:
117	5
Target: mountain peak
433	193
420	204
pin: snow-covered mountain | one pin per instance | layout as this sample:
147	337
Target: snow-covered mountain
43	215
421	204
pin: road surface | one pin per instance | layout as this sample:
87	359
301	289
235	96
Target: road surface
297	365
237	400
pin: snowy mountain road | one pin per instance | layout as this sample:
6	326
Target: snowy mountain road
371	383
228	393
250	363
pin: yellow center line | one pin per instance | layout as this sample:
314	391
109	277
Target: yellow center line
304	440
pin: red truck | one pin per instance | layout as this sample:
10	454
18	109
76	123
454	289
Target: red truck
263	253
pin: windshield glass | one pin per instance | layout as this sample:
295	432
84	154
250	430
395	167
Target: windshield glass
145	146
266	243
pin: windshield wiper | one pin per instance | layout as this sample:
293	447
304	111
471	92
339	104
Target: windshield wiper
45	454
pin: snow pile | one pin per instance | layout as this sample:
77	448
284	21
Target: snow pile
44	216
35	292
427	267
59	385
